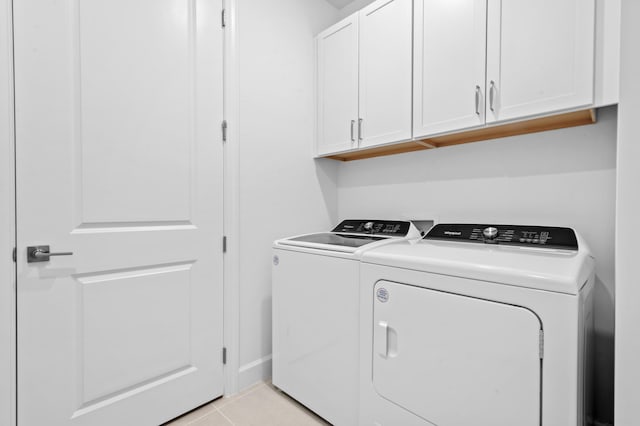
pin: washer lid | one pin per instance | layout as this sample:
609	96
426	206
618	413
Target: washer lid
331	239
562	271
352	236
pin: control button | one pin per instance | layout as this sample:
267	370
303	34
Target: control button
490	233
529	240
368	226
535	241
522	240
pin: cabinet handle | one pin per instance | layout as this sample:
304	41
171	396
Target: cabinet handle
360	129
491	94
353	123
477	100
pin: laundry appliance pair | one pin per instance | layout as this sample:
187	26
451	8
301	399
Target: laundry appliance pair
474	324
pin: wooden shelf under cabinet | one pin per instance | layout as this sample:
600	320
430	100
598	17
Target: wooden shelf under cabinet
560	121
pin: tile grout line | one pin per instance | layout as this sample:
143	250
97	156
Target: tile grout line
199	418
223	415
218	408
239	397
292	403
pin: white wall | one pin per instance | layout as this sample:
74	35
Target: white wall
563	177
282	190
7	295
627	400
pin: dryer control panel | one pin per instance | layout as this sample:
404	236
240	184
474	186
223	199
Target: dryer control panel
515	235
392	228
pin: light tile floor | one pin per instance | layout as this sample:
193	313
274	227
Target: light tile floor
260	405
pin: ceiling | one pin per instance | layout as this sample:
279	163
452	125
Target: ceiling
340	3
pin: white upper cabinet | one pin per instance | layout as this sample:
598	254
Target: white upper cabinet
338	87
385	72
401	70
540	57
364	78
449	65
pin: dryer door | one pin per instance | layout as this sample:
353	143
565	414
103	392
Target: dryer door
456	360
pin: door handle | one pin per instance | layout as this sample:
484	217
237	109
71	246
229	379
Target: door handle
42	254
477	100
360	129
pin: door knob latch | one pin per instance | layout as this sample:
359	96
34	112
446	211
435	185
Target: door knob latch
42	254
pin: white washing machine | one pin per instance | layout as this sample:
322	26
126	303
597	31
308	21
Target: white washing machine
479	325
316	313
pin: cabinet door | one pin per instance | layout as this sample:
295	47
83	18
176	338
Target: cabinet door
540	57
338	86
385	72
449	65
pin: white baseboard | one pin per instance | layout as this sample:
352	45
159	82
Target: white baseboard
254	372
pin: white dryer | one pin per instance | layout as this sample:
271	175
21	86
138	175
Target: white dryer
477	325
316	313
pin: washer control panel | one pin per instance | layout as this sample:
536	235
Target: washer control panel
517	235
392	228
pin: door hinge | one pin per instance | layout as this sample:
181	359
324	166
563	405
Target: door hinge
224	18
224	244
541	344
224	356
224	130
15	255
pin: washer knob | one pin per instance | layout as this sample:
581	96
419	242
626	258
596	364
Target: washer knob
368	226
490	233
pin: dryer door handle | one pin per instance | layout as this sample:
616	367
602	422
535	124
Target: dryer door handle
381	338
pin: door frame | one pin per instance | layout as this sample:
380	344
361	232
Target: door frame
7	221
231	200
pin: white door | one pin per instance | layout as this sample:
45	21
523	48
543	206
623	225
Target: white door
540	57
449	65
338	87
455	360
119	160
385	72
